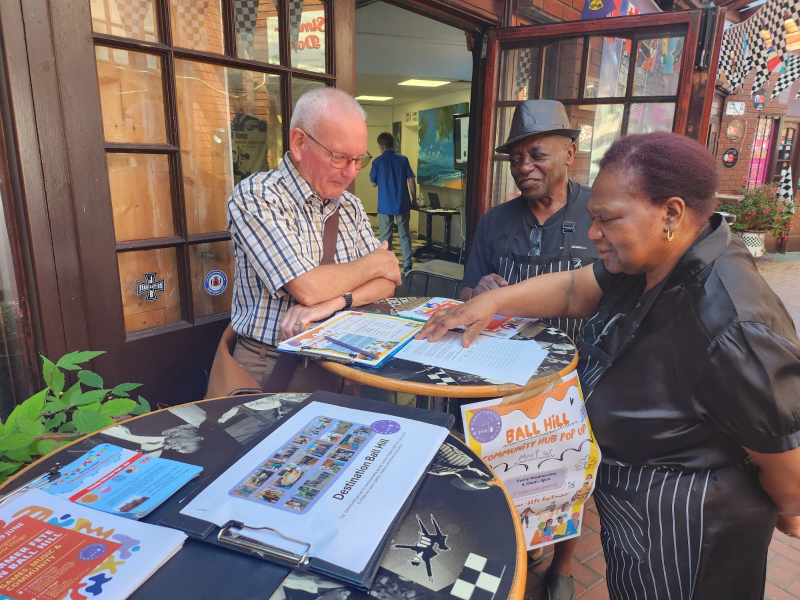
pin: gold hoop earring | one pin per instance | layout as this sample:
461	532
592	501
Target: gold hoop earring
670	235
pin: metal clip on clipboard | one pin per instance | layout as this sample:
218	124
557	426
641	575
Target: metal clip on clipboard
226	535
39	481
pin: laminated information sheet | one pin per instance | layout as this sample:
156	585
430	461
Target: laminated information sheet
543	450
330	477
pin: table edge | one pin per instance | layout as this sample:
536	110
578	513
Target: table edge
431	389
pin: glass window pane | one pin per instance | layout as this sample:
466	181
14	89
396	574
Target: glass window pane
307	35
518	71
600	125
150	293
257	30
607	71
140	196
504	116
230	128
125	18
658	67
503	186
562	69
14	373
131	98
212	277
197	25
301	86
647	118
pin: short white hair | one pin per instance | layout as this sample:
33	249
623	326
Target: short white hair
312	107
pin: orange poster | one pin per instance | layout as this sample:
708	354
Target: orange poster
41	561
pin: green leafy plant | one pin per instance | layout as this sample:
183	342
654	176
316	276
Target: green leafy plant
56	416
761	210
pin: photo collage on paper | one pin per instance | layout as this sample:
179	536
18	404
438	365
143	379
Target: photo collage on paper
302	471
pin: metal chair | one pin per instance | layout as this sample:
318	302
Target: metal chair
440	269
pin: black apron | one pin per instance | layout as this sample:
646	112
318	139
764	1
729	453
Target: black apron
665	532
519	267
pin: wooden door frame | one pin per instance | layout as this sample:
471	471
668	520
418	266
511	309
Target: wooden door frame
692	109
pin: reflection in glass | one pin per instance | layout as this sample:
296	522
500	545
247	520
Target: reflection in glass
650	117
658	67
197	25
307	35
140	196
607	68
504	116
131	98
562	69
13	369
150	291
518	70
503	186
230	128
600	125
125	18
257	30
212	277
301	86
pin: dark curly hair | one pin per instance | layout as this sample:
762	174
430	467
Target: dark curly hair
386	140
663	165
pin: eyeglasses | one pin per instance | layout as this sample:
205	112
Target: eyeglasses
536	240
342	161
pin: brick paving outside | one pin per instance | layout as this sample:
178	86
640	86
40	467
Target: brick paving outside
782	272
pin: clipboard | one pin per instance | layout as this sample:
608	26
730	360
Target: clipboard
238	536
305	344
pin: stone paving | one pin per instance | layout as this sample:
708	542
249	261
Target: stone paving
782	272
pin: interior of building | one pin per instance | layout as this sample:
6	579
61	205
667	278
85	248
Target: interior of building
412	75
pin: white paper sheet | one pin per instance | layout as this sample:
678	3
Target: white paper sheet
342	514
488	357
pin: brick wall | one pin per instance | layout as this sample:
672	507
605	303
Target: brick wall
734	178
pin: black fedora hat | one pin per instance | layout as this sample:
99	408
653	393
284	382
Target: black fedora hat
538	116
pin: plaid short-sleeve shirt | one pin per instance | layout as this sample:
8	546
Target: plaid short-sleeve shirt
276	222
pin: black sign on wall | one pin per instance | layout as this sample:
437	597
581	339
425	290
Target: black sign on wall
730	157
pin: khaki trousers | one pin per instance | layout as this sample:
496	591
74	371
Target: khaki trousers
260	361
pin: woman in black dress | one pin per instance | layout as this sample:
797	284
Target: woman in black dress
690	366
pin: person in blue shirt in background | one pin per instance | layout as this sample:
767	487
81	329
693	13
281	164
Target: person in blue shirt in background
393	177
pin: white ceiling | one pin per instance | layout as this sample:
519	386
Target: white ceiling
393	45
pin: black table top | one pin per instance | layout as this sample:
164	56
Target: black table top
458	495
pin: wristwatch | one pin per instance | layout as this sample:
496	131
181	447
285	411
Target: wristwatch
348	300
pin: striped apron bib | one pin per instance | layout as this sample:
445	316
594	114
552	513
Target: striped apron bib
519	267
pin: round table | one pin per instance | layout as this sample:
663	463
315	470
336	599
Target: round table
459	495
400	375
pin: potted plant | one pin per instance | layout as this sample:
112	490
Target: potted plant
759	212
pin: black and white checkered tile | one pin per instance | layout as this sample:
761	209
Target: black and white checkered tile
479	579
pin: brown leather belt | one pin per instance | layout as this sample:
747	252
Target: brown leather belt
260	348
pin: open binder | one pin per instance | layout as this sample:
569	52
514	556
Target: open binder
278	544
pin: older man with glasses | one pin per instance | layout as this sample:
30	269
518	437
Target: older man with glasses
544	229
303	245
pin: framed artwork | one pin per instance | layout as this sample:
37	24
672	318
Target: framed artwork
435	165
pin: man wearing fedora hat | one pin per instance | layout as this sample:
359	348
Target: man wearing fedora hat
544	229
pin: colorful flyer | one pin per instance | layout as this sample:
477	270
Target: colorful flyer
51	549
306	468
543	450
362	338
500	326
120	481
